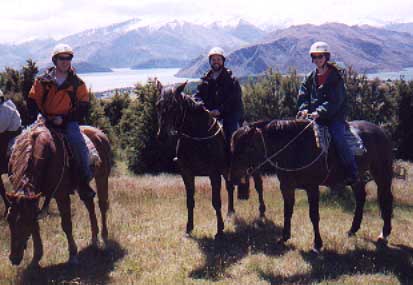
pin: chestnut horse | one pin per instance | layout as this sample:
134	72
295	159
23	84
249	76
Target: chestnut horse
290	146
201	151
39	166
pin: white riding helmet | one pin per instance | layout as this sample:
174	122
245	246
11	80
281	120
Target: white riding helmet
319	47
216	51
62	48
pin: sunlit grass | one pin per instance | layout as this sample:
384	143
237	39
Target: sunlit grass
147	245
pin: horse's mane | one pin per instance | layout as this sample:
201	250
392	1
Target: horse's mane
280	125
22	155
187	99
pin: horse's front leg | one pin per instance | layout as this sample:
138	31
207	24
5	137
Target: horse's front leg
216	203
230	189
314	212
289	201
259	189
3	195
37	245
189	182
63	203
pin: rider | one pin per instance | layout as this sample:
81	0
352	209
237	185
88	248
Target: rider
220	93
10	126
323	96
63	100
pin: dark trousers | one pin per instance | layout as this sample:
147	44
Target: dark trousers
4	143
337	131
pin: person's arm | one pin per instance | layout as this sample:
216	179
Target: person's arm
34	100
82	109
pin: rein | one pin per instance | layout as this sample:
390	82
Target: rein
45	208
269	159
187	136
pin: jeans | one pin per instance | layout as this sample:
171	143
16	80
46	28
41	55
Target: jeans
337	131
80	150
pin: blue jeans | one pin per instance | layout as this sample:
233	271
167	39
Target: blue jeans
337	131
79	148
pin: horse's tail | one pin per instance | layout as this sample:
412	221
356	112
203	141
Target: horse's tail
382	170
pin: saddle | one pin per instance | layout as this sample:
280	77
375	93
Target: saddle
57	133
354	141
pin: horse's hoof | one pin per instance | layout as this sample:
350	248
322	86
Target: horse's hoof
316	251
35	264
230	214
351	233
382	240
219	236
94	243
74	260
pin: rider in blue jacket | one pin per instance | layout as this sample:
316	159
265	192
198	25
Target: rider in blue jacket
323	96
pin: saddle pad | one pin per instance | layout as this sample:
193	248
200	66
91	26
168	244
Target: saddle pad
94	158
354	141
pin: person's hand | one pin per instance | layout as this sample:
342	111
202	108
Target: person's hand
302	114
315	115
215	113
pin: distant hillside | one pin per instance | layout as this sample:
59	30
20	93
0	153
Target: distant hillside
138	43
401	27
366	48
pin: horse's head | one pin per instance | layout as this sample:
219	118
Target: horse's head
169	108
247	152
22	219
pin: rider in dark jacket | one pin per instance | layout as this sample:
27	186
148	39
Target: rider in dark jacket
220	93
323	96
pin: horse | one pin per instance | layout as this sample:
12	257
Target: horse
40	166
201	151
291	148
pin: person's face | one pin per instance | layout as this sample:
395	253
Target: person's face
319	59
63	62
216	61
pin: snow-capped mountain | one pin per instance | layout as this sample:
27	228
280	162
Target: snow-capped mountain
138	42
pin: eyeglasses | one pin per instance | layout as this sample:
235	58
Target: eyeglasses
65	58
320	56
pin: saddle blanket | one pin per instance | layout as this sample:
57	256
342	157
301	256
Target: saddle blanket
94	158
323	139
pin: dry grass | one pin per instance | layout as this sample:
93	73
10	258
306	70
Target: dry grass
147	223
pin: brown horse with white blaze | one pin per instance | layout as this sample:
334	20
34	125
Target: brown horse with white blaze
290	146
39	167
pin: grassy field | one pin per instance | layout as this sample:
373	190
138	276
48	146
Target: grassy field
147	243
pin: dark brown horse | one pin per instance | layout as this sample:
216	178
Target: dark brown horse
201	150
39	167
300	163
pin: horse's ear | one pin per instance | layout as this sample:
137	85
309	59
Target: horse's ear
158	85
180	88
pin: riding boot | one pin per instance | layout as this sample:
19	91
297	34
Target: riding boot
85	191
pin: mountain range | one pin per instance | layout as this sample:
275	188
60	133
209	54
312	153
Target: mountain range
142	43
366	48
136	43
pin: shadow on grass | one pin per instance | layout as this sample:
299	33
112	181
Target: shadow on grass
330	265
257	237
94	268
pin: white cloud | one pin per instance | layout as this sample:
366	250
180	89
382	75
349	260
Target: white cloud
24	19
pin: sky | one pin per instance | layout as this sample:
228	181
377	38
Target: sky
23	20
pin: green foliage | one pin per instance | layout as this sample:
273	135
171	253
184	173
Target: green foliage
138	128
272	97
